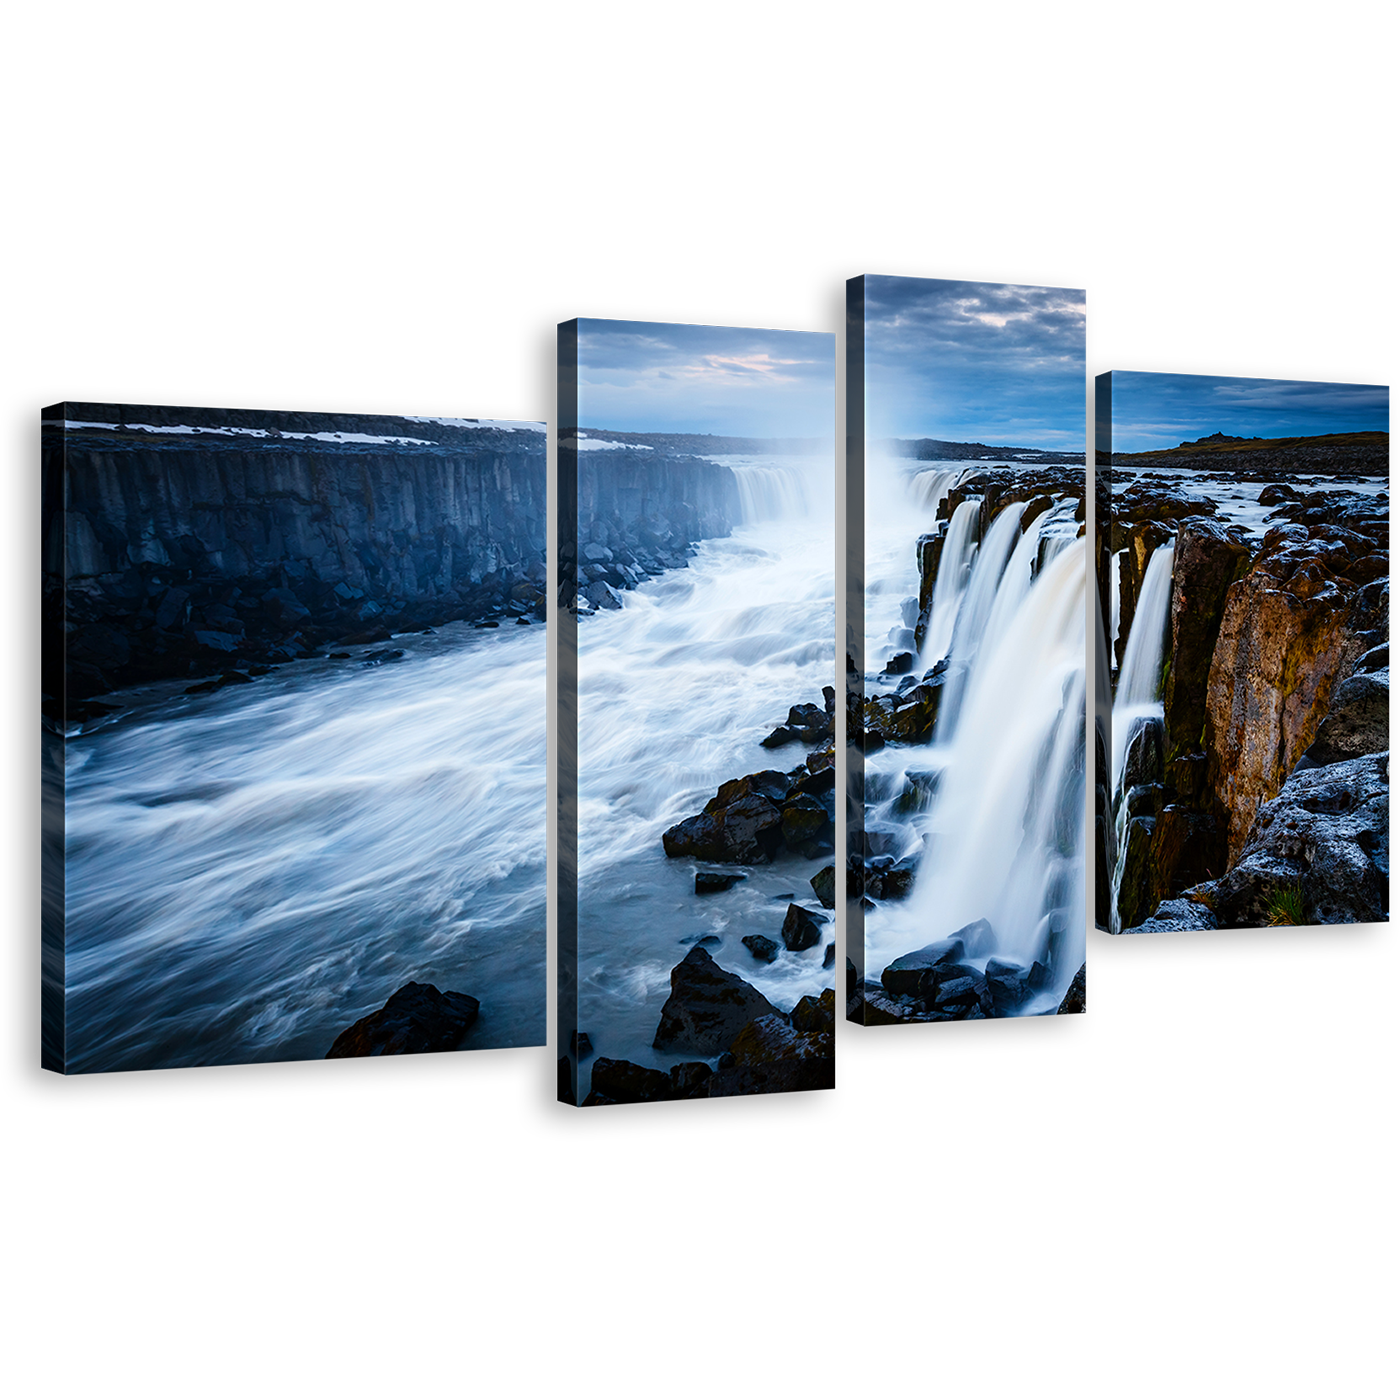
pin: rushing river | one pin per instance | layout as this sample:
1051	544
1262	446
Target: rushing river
676	689
250	872
992	808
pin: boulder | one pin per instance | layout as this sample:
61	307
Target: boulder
824	886
910	974
1358	721
1318	853
741	825
815	1015
769	1038
707	1007
801	929
713	882
1007	982
621	1081
417	1019
764	949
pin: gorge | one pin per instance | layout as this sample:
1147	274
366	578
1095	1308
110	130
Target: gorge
1248	774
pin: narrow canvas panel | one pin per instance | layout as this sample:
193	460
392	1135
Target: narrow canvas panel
697	784
1245	570
966	650
294	735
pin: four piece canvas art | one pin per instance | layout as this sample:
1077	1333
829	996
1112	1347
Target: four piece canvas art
294	699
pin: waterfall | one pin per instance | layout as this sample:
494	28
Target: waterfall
979	600
929	487
954	565
1140	677
1004	830
769	490
1115	575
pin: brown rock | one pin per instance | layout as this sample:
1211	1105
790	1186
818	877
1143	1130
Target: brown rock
1280	652
1207	561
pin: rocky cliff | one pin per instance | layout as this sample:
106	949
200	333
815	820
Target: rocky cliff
180	541
1262	797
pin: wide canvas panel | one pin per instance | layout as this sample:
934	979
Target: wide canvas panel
965	668
1244	568
294	735
697	783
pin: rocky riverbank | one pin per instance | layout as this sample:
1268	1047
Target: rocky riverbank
1260	794
641	510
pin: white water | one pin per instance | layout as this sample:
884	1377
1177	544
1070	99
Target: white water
1237	501
1138	697
676	689
950	582
1001	838
1139	693
899	507
252	871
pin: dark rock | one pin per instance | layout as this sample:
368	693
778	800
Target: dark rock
780	736
712	882
785	1076
690	1080
764	949
417	1019
900	664
1358	721
1144	761
829	959
824	886
815	1015
801	929
707	1007
1176	915
621	1081
1320	849
1008	985
747	829
580	1045
1073	1003
874	1006
913	973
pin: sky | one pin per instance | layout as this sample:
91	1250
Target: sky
1155	411
652	376
975	362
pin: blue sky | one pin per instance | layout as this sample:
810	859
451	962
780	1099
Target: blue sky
975	362
652	376
1153	411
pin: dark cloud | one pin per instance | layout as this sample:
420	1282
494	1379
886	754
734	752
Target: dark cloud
975	362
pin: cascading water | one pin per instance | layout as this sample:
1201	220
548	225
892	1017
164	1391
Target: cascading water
898	508
252	871
1138	698
998	823
970	630
950	583
676	689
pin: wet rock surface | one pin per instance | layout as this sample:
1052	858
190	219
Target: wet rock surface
707	1007
418	1019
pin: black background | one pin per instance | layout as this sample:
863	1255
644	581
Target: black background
478	339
